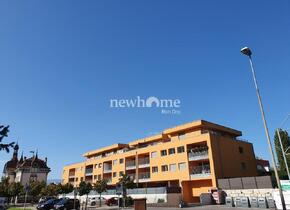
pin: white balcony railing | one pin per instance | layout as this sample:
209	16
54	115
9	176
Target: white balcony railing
200	172
131	164
198	155
144	162
144	177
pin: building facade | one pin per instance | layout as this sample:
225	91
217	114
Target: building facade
26	170
192	156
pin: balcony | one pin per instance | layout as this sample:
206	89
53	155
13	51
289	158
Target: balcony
89	171
108	170
198	153
131	164
107	167
144	162
71	175
200	172
144	177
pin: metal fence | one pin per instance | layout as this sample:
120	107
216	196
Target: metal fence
256	182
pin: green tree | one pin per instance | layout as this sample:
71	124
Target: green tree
128	183
286	143
49	190
36	188
4	130
85	189
15	189
101	186
4	187
67	188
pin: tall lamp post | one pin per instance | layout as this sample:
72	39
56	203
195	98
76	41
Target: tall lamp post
246	51
281	145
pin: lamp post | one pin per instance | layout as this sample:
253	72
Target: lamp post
281	145
246	51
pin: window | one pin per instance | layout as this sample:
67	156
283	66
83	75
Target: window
181	136
154	169
172	167
77	179
182	166
96	177
121	161
121	173
114	174
164	168
153	154
163	152
243	166
99	177
82	179
241	150
171	151
100	165
180	149
115	162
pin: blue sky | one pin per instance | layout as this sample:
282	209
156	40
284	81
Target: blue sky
62	61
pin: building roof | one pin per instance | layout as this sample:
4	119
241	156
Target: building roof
33	162
199	124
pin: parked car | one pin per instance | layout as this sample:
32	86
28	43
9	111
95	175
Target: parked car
49	204
112	201
44	199
67	204
96	200
3	203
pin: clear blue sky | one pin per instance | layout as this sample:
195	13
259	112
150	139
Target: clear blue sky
62	61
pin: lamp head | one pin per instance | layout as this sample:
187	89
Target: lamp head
246	51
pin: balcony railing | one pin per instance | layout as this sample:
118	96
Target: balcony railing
198	155
131	164
144	176
108	170
71	175
200	172
89	171
144	162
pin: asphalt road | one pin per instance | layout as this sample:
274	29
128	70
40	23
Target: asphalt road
215	207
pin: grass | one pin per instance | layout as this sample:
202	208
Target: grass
18	208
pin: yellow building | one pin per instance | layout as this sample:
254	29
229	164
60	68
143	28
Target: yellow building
192	156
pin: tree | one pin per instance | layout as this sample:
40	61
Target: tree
4	130
50	190
286	143
67	188
85	189
100	186
36	188
15	189
128	183
4	187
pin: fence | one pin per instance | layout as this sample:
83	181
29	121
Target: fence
257	182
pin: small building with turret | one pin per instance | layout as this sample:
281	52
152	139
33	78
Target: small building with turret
26	170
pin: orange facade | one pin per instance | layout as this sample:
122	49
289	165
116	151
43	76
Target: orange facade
192	156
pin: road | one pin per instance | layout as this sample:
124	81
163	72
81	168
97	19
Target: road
214	207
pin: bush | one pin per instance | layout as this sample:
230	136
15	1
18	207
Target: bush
160	200
129	201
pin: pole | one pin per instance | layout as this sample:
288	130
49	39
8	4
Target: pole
267	133
283	153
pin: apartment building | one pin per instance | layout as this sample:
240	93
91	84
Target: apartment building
192	156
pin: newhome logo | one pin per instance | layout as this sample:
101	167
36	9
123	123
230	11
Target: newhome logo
168	106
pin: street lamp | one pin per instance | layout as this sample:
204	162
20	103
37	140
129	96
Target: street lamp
281	145
246	51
